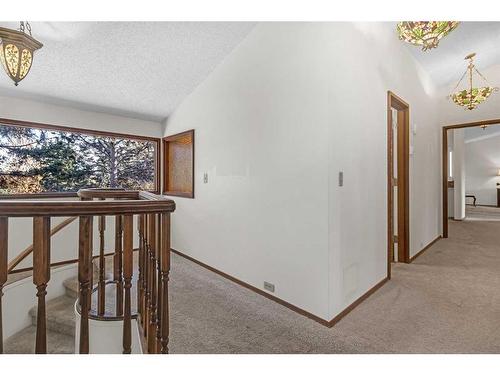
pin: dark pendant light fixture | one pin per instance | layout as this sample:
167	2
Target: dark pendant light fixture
16	51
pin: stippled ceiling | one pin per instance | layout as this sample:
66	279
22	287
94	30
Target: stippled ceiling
446	63
136	69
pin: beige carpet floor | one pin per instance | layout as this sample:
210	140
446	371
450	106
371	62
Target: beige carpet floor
482	213
446	301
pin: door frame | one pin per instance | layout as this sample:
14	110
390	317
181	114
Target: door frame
444	164
403	183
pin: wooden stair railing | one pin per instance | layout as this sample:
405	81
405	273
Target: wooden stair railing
153	227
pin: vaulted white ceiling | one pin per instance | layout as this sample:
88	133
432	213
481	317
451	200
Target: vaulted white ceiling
136	69
146	69
446	63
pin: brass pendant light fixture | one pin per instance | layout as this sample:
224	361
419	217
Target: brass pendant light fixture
16	51
471	97
425	33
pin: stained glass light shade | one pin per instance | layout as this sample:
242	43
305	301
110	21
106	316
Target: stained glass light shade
425	33
16	53
471	97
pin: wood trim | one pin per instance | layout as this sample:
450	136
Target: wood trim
25	208
390	192
254	289
165	142
473	124
444	169
429	245
38	125
444	165
298	310
19	258
403	154
46	195
357	302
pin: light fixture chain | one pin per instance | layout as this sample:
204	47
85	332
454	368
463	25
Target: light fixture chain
25	25
28	27
479	73
460	80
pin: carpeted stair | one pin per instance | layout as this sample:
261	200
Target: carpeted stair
61	317
60	326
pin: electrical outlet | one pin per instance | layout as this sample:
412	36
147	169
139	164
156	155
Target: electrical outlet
268	286
205	178
341	178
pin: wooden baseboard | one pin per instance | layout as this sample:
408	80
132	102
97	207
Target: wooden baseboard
327	323
425	248
353	305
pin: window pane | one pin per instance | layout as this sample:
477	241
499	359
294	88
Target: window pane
36	160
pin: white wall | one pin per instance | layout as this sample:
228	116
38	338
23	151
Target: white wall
290	107
482	161
30	110
367	60
106	337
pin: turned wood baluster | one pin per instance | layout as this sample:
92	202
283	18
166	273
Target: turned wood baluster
4	245
118	264
128	239
84	270
140	290
165	270
158	284
152	283
89	297
41	276
101	302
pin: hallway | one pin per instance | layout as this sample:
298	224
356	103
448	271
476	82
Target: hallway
446	301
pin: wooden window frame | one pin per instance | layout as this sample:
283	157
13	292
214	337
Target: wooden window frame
68	129
166	141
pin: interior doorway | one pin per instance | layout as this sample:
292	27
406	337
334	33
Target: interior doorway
448	183
398	207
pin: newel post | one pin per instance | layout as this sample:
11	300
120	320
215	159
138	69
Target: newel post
84	270
4	245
